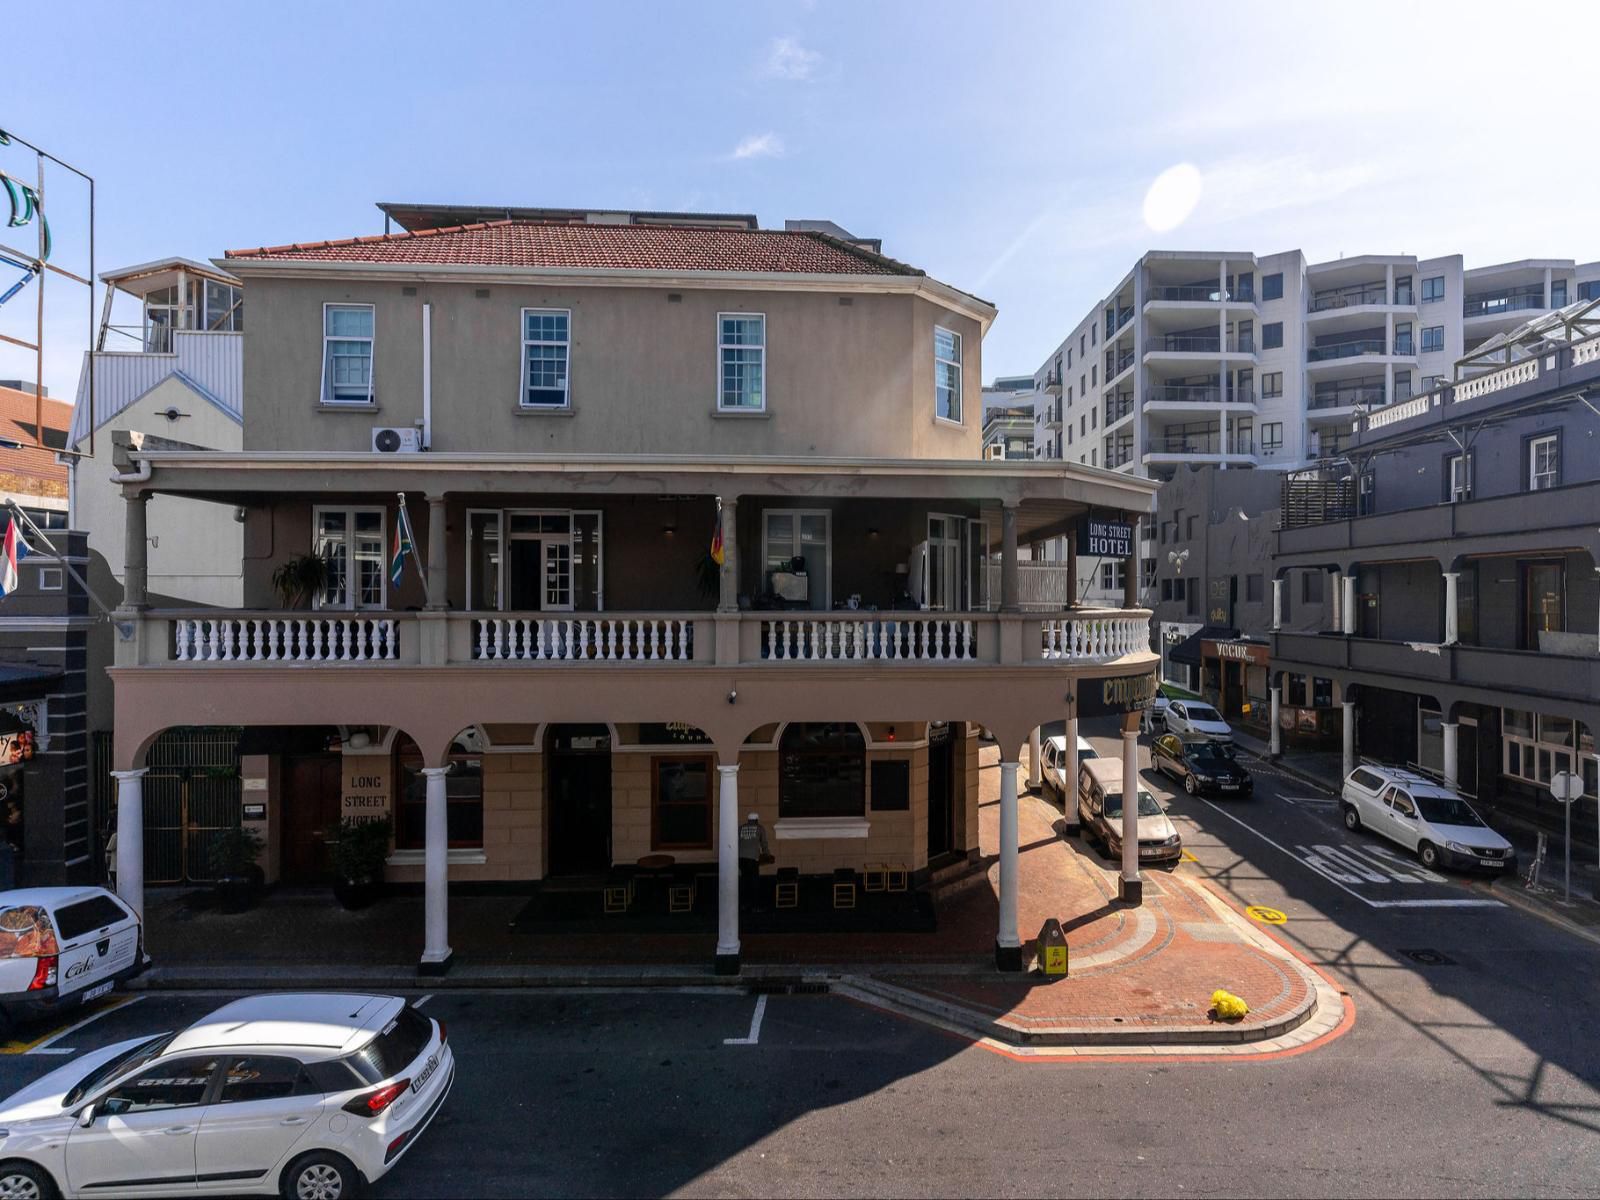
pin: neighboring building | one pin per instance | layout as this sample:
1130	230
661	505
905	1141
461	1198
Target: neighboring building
1462	541
574	684
33	432
1008	432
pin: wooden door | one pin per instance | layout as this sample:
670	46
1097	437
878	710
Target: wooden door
310	816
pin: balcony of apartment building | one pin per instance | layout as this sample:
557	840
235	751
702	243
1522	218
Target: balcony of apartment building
1181	394
1175	443
1118	407
1352	293
1350	355
1334	404
1498	299
1181	283
1118	361
1172	344
1050	415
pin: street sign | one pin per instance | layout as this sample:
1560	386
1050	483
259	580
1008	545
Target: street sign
1566	786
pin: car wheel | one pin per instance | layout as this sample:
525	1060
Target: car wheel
1352	819
23	1181
1428	855
320	1175
1189	785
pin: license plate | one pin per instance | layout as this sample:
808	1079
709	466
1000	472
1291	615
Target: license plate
427	1073
1229	787
98	990
1492	862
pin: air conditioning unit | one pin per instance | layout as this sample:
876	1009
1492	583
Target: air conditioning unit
396	441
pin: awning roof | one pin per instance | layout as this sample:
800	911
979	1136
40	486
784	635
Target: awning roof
1188	650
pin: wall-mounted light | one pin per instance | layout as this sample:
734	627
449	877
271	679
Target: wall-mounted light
668	531
891	733
872	533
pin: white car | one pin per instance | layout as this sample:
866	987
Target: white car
1195	716
310	1096
1053	761
1425	816
61	946
1154	719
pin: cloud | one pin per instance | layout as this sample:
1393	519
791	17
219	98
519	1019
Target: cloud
788	59
759	145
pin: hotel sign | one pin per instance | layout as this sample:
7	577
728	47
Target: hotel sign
1100	538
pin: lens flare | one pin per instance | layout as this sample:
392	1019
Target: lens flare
1172	197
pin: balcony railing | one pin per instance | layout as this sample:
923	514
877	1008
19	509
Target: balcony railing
1355	348
1345	395
1491	304
1117	320
1198	292
1350	297
1192	343
1118	406
1199	443
1203	393
296	638
577	639
1117	365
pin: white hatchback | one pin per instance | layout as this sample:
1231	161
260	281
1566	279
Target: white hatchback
1425	816
61	946
310	1096
1197	717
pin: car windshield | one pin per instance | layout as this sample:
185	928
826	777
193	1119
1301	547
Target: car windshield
1203	712
1210	752
1448	810
122	1063
1147	804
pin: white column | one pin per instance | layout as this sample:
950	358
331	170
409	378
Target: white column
1349	607
130	837
1069	778
1452	760
1035	775
728	869
1273	746
1277	605
1131	887
1349	730
435	873
1452	619
1007	945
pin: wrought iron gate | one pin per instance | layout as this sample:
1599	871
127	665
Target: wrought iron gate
191	797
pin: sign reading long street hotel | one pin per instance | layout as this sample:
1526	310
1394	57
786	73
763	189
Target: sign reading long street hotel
1100	538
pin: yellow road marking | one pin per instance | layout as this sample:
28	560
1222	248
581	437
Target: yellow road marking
1267	916
1188	856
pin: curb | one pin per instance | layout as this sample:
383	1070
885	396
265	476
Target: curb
1535	908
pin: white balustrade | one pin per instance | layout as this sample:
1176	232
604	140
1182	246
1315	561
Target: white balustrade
285	639
875	638
1586	352
1525	371
1094	638
576	639
1404	411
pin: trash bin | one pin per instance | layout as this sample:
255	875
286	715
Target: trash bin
1052	950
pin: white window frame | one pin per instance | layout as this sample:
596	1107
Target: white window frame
1562	758
50	579
722	405
797	513
960	398
351	604
566	376
324	396
474	584
1458	469
1534	474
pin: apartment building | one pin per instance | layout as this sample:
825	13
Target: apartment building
573	408
1459	546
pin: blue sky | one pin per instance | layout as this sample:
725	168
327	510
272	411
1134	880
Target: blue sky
1005	148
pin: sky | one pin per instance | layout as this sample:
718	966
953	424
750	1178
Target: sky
1006	148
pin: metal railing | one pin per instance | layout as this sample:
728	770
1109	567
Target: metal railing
1203	393
1351	349
1118	406
1345	395
1116	366
1349	297
1198	292
1116	322
1490	304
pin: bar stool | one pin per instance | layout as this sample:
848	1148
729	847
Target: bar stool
896	877
875	877
844	888
680	894
786	891
618	894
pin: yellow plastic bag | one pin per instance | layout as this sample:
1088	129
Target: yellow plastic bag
1227	1006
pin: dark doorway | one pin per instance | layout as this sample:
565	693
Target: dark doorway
578	799
941	790
1467	756
309	816
1232	688
525	575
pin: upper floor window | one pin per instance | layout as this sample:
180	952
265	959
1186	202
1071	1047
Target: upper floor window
1544	462
1458	477
1432	338
1272	436
1433	288
1271	384
347	354
1589	290
946	374
1402	338
742	361
1272	286
1402	289
1272	335
1558	293
224	307
546	344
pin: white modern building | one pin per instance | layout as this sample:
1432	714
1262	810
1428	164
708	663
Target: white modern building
1009	406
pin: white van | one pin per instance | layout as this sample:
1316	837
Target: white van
61	946
1053	763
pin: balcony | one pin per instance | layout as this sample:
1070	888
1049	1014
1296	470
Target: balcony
1115	321
1198	293
1200	393
1355	348
1052	384
1117	364
1190	444
1050	418
1117	407
1354	296
1367	393
1503	302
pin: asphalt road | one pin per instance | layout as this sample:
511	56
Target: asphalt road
1474	1072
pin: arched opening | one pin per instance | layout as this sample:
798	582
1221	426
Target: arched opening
822	771
191	798
463	793
578	798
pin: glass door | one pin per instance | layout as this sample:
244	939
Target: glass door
1543	601
976	556
797	556
943	591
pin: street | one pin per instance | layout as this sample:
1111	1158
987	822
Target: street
1468	1071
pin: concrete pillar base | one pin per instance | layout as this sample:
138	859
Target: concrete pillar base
1007	958
726	964
434	969
1130	891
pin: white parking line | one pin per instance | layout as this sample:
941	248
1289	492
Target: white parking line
755	1026
46	1046
421	1002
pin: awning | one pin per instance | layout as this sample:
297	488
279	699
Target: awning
1188	650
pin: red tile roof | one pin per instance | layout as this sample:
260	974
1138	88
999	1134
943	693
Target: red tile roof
616	247
28	470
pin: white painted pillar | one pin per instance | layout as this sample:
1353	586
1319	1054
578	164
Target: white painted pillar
1131	887
1274	747
1277	605
130	837
435	874
1007	945
728	869
1452	761
1349	607
1035	775
1349	731
1452	619
1069	778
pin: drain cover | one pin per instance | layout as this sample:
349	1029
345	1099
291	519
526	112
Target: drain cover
1429	958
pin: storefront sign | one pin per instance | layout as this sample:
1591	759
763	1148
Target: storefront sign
1219	609
1245	652
16	747
366	792
1099	538
1119	694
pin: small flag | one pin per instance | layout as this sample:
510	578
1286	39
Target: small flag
402	546
718	555
16	551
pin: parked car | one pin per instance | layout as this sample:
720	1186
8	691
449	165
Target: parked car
1100	814
299	1095
1201	765
1195	716
1426	816
1053	762
61	946
1154	719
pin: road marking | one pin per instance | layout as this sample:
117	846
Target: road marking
421	1002
1267	916
755	1026
1332	877
47	1045
1311	801
1188	856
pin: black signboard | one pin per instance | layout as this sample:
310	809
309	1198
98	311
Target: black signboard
891	785
1101	538
1116	694
1219	600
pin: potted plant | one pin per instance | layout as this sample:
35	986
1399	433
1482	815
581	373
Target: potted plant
299	579
359	853
239	878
